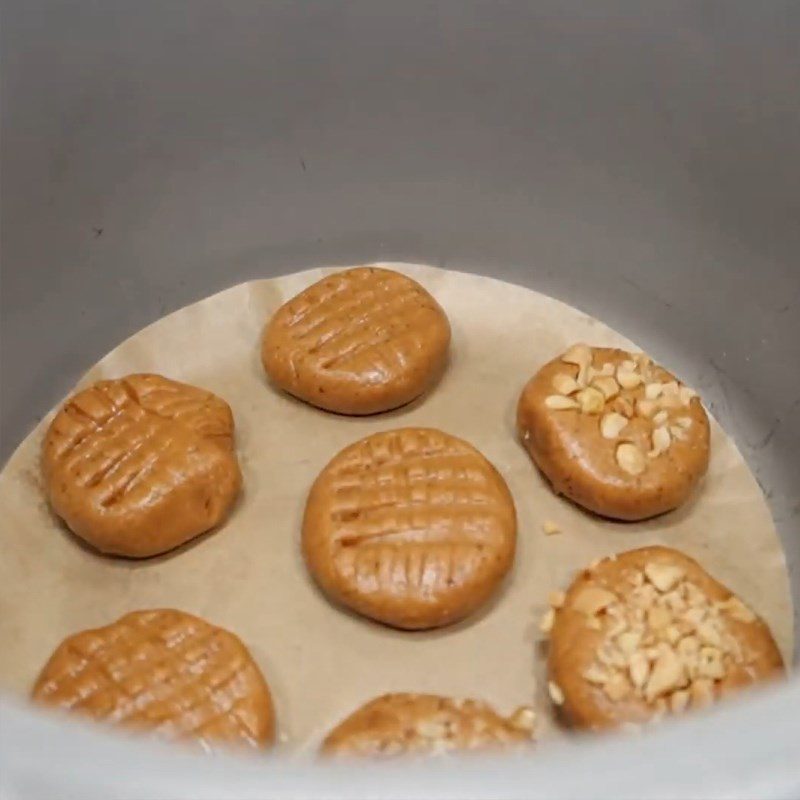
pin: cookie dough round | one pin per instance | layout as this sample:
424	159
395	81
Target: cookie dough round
614	432
166	672
411	527
142	464
398	724
648	633
358	342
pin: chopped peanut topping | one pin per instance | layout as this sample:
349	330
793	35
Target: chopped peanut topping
565	384
580	355
550	528
618	393
608	386
592	401
546	625
558	402
630	459
524	719
661	442
556	695
663	576
611	425
664	642
592	599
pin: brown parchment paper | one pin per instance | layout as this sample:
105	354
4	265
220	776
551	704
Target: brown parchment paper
248	576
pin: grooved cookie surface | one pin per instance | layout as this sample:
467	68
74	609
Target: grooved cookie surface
411	527
647	633
164	671
358	342
394	724
615	433
140	465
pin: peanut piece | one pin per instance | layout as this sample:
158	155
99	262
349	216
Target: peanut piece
430	729
523	719
663	576
556	695
617	687
550	528
652	391
591	400
558	402
628	641
580	355
608	386
660	418
678	433
565	384
668	674
711	664
709	634
607	369
661	442
646	408
546	624
624	406
611	425
630	459
628	379
639	668
592	600
672	634
658	618
596	675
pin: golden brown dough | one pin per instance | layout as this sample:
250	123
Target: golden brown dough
397	724
358	342
166	672
411	527
649	632
140	465
614	432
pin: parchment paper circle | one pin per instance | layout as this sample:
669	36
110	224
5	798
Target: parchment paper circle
320	661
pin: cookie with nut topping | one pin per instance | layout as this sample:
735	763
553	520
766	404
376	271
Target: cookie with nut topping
426	724
614	432
648	633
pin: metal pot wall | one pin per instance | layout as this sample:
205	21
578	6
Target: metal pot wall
638	160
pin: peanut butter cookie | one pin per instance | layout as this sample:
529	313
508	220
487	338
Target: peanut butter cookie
166	672
358	342
614	432
647	633
412	527
397	724
140	465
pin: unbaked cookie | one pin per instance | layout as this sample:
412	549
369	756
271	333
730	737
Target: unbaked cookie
358	342
412	527
162	671
140	465
647	633
397	724
614	432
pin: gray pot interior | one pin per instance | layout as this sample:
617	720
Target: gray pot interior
638	160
